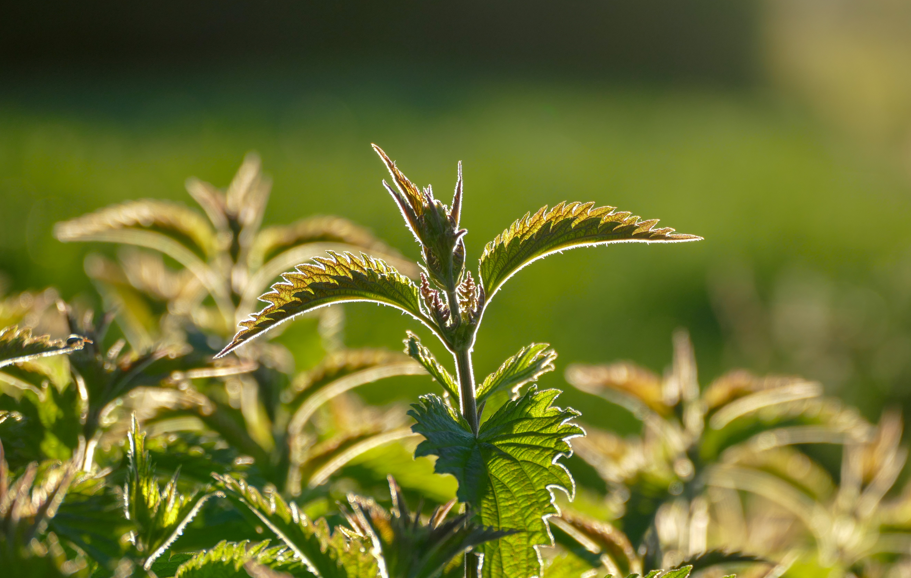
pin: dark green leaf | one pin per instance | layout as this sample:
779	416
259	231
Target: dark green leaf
507	473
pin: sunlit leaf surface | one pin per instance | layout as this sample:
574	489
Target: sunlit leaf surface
507	473
339	278
565	226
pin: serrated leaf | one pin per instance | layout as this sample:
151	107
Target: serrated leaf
274	241
173	222
411	548
339	278
159	515
526	366
39	425
566	226
326	554
678	572
227	560
417	351
569	566
91	518
18	346
507	473
600	543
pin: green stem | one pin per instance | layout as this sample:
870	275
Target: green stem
471	565
469	405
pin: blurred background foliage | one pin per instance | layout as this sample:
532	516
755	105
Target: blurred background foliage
778	130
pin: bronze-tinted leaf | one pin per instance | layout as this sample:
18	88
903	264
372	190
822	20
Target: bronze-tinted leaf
339	278
566	226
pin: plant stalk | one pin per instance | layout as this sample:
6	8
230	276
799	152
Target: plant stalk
469	405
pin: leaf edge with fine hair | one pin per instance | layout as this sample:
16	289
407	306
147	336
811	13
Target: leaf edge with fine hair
574	213
329	271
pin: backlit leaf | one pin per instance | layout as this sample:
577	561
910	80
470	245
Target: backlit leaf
410	547
159	515
417	351
273	241
566	226
526	366
339	278
507	473
326	554
227	560
121	223
18	345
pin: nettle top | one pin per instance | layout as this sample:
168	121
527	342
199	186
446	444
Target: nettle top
506	462
448	300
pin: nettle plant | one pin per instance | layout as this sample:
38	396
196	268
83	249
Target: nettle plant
504	456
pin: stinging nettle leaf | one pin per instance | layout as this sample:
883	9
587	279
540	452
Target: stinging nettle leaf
335	554
339	278
566	226
507	473
417	351
526	366
18	345
411	548
228	559
167	220
160	515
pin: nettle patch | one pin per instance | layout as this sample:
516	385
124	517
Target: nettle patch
140	446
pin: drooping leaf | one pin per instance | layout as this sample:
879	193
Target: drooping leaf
565	226
341	372
623	383
417	351
326	554
600	543
339	278
720	557
325	459
507	473
526	366
274	241
18	345
143	223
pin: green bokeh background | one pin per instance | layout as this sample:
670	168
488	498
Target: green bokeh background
805	267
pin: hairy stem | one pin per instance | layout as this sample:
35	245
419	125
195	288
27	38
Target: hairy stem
469	405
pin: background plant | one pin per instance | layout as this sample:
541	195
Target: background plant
514	452
301	462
